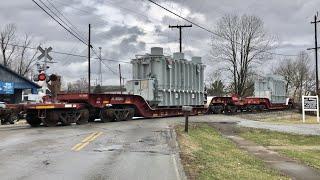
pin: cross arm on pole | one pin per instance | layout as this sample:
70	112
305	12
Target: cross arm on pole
313	22
180	32
313	48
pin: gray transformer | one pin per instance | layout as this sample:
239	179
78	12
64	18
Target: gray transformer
271	87
167	81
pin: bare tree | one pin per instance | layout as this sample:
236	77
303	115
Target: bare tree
287	71
80	85
26	58
240	42
7	38
298	74
302	73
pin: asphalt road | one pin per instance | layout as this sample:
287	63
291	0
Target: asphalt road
138	149
135	150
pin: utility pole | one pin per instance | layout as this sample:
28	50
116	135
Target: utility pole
89	64
120	78
180	32
315	22
100	72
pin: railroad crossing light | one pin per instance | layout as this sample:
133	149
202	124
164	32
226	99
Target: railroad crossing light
41	77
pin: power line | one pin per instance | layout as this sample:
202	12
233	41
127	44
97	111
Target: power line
121	7
107	66
103	19
77	55
70	31
76	29
206	29
59	23
115	73
69	54
61	20
133	11
113	21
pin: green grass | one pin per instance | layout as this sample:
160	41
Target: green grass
206	154
303	148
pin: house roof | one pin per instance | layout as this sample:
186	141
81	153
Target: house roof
19	76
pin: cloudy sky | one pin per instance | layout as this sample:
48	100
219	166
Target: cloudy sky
124	28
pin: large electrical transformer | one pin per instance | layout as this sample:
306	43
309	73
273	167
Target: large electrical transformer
167	81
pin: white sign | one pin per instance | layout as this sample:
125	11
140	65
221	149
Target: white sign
310	103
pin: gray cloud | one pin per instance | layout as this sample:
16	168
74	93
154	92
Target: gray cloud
118	31
135	25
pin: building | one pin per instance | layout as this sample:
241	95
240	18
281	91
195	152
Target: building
12	85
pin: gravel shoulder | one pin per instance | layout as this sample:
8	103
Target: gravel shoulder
305	129
297	128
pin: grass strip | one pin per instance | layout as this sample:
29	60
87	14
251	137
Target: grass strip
206	154
288	144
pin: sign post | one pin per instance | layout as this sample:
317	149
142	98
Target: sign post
187	110
45	54
310	103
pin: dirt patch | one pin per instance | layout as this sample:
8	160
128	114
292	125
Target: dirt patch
274	160
227	128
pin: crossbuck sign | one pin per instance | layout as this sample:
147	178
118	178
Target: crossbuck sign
310	103
45	53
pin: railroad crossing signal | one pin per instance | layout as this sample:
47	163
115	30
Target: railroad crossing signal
43	75
45	53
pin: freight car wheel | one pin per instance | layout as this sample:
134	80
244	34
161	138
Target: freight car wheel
51	120
93	118
261	108
65	121
32	119
217	109
121	114
106	115
231	109
84	117
12	118
130	114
